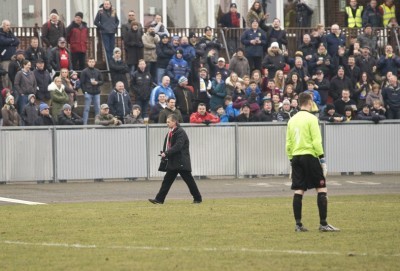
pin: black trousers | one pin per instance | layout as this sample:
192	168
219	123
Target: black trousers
169	179
78	61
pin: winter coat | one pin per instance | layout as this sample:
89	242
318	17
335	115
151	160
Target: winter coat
250	49
141	84
307	49
74	119
120	103
251	118
371	96
178	154
77	37
162	118
189	53
29	114
25	83
254	15
128	26
326	117
55	59
218	94
51	33
118	71
362	116
323	89
325	68
207	117
266	116
391	97
14	67
8	44
274	62
177	67
239	65
333	42
274	35
164	54
86	84
372	16
33	55
44	121
386	64
150	44
10	116
58	98
134	46
43	80
184	100
107	20
209	43
130	119
338	84
155	112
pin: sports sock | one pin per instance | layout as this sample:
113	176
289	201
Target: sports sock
297	205
322	201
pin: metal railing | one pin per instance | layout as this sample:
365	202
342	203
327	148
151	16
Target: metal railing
232	36
232	149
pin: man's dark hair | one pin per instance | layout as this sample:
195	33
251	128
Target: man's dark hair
201	104
304	99
171	98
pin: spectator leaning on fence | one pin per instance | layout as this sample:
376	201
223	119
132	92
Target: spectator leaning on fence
67	117
30	112
119	101
106	119
44	118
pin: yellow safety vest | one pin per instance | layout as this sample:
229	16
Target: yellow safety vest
354	21
388	13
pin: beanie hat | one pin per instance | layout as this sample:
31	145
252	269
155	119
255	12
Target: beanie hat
179	51
30	96
182	79
116	49
43	106
286	101
163	36
79	14
275	44
66	106
9	97
53	11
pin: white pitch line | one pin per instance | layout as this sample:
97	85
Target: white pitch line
233	250
21	201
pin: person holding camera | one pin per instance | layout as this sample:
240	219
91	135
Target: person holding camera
177	157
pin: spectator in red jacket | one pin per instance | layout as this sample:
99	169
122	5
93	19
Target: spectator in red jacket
77	37
202	116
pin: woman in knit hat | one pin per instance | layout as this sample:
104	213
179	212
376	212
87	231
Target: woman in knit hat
9	113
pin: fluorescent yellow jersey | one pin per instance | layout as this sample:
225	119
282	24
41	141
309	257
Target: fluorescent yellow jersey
303	135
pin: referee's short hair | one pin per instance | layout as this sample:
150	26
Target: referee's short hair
304	99
173	118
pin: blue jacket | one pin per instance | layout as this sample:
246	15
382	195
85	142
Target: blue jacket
8	44
231	112
250	49
388	64
177	67
189	53
107	21
317	97
154	94
333	42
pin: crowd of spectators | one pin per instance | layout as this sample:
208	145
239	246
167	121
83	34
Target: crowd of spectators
189	77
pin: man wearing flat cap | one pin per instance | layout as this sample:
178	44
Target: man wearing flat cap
60	56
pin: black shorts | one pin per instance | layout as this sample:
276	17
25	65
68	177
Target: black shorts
307	173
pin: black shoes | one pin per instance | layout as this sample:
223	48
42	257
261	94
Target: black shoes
154	201
197	201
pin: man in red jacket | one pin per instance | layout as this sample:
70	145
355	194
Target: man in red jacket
202	116
77	37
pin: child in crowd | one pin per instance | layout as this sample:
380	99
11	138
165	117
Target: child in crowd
76	85
220	112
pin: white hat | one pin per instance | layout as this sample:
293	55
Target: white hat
274	44
221	59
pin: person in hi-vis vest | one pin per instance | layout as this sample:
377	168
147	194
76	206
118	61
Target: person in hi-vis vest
388	11
354	12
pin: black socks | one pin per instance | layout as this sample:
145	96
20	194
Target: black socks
322	201
297	205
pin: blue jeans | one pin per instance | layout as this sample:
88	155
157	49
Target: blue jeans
88	101
109	43
160	74
22	101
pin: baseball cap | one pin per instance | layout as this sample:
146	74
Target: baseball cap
221	59
104	106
